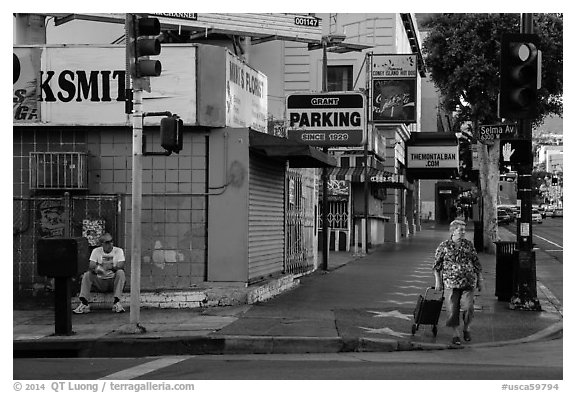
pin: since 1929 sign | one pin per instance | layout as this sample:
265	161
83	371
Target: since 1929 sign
327	119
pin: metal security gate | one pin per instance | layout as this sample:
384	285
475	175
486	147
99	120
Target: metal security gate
61	216
299	225
265	218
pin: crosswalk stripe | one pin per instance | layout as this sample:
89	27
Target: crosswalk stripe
137	371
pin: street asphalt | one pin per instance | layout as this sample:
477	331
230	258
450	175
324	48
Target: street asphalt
358	304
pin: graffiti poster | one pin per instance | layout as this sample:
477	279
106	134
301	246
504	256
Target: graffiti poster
51	219
26	69
92	230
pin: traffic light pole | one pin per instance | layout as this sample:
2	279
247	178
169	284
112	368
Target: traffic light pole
525	294
136	214
135	259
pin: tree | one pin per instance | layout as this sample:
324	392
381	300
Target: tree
462	52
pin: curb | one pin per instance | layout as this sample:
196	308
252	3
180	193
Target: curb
240	345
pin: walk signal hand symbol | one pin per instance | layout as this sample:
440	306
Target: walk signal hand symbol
507	152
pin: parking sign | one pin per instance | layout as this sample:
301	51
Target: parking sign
327	119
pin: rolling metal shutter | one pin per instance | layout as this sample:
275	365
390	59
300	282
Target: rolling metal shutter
266	218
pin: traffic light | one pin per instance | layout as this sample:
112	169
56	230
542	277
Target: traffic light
145	43
171	128
465	154
519	76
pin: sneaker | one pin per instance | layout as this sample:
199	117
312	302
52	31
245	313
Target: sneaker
82	309
117	307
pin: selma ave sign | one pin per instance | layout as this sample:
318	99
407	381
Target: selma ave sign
496	131
327	119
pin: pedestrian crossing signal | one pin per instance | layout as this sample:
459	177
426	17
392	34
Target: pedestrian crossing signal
171	133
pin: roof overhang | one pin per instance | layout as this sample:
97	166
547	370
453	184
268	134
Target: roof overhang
412	33
299	155
258	26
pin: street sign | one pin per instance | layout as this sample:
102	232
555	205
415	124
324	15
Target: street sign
497	131
327	119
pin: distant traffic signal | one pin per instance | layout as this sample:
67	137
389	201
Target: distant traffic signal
171	133
519	76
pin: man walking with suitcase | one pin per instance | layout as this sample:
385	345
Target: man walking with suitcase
457	269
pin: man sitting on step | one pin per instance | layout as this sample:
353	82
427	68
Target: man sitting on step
105	274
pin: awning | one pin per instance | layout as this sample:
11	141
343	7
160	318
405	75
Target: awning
298	154
375	176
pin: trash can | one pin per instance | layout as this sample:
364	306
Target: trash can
479	236
506	260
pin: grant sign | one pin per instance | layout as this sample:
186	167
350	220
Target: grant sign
327	119
432	157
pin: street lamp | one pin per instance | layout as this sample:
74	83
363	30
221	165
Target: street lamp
335	42
326	41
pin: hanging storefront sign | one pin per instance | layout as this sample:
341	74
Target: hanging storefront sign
394	87
327	119
432	157
246	95
26	69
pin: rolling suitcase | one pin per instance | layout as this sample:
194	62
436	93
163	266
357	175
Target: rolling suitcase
427	311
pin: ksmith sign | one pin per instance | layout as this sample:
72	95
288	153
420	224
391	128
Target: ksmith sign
327	119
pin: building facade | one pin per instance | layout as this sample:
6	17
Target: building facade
240	203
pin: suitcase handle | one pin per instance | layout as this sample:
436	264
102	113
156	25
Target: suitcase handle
433	288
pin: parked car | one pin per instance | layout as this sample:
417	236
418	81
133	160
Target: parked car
512	210
536	216
504	217
548	211
558	212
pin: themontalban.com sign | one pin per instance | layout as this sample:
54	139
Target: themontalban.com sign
327	119
432	157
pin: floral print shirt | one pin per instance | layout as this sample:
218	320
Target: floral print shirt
458	262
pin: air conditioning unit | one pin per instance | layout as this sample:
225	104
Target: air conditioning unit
58	171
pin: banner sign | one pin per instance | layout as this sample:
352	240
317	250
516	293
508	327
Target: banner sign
394	88
26	69
246	95
327	119
432	157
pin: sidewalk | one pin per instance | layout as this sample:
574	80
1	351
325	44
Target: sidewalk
359	304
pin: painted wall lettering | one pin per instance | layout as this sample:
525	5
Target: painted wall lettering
80	85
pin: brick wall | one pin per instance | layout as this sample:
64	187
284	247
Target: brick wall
173	204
